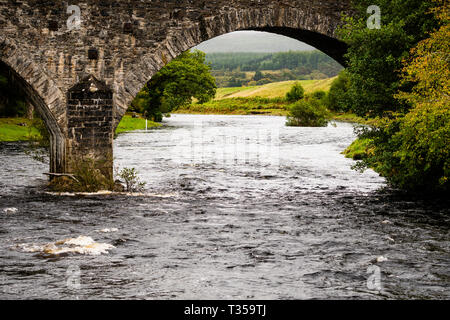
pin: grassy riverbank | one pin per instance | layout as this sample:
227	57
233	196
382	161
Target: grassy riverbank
128	123
17	129
242	106
22	129
266	99
358	149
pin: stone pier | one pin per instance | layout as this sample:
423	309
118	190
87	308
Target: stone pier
90	125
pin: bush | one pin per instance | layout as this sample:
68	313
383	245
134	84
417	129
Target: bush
308	113
296	93
338	99
132	180
412	151
319	95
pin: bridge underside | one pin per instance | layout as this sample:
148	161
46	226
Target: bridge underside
328	45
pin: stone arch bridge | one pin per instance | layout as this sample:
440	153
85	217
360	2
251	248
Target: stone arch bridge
81	75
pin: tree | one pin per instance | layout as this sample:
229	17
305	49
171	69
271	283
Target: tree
296	93
375	55
337	99
174	86
412	151
307	113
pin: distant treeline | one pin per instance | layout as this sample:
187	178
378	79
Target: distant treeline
247	68
248	61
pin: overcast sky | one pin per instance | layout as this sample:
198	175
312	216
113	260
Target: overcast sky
252	41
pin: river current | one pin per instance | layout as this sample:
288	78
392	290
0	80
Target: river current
235	207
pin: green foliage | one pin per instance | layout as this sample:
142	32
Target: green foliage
304	61
375	56
263	82
90	177
308	113
258	76
319	95
235	69
412	150
132	181
296	93
338	99
359	149
175	85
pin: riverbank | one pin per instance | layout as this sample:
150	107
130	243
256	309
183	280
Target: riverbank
17	129
128	123
268	99
259	106
22	129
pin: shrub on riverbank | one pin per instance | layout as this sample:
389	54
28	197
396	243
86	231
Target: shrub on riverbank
338	95
296	93
308	113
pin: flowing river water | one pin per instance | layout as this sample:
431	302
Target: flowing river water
235	207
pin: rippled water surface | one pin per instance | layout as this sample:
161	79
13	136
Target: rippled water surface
234	207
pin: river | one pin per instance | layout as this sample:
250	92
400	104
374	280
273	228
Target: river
235	207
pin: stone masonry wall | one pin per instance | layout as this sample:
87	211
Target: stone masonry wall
90	124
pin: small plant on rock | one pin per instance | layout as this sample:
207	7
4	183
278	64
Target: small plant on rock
132	181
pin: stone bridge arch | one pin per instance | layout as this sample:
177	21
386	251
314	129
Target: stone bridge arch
312	26
120	45
42	93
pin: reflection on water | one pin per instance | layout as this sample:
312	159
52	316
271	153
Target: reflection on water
235	207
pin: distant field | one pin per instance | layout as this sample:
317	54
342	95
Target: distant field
267	99
273	90
128	123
